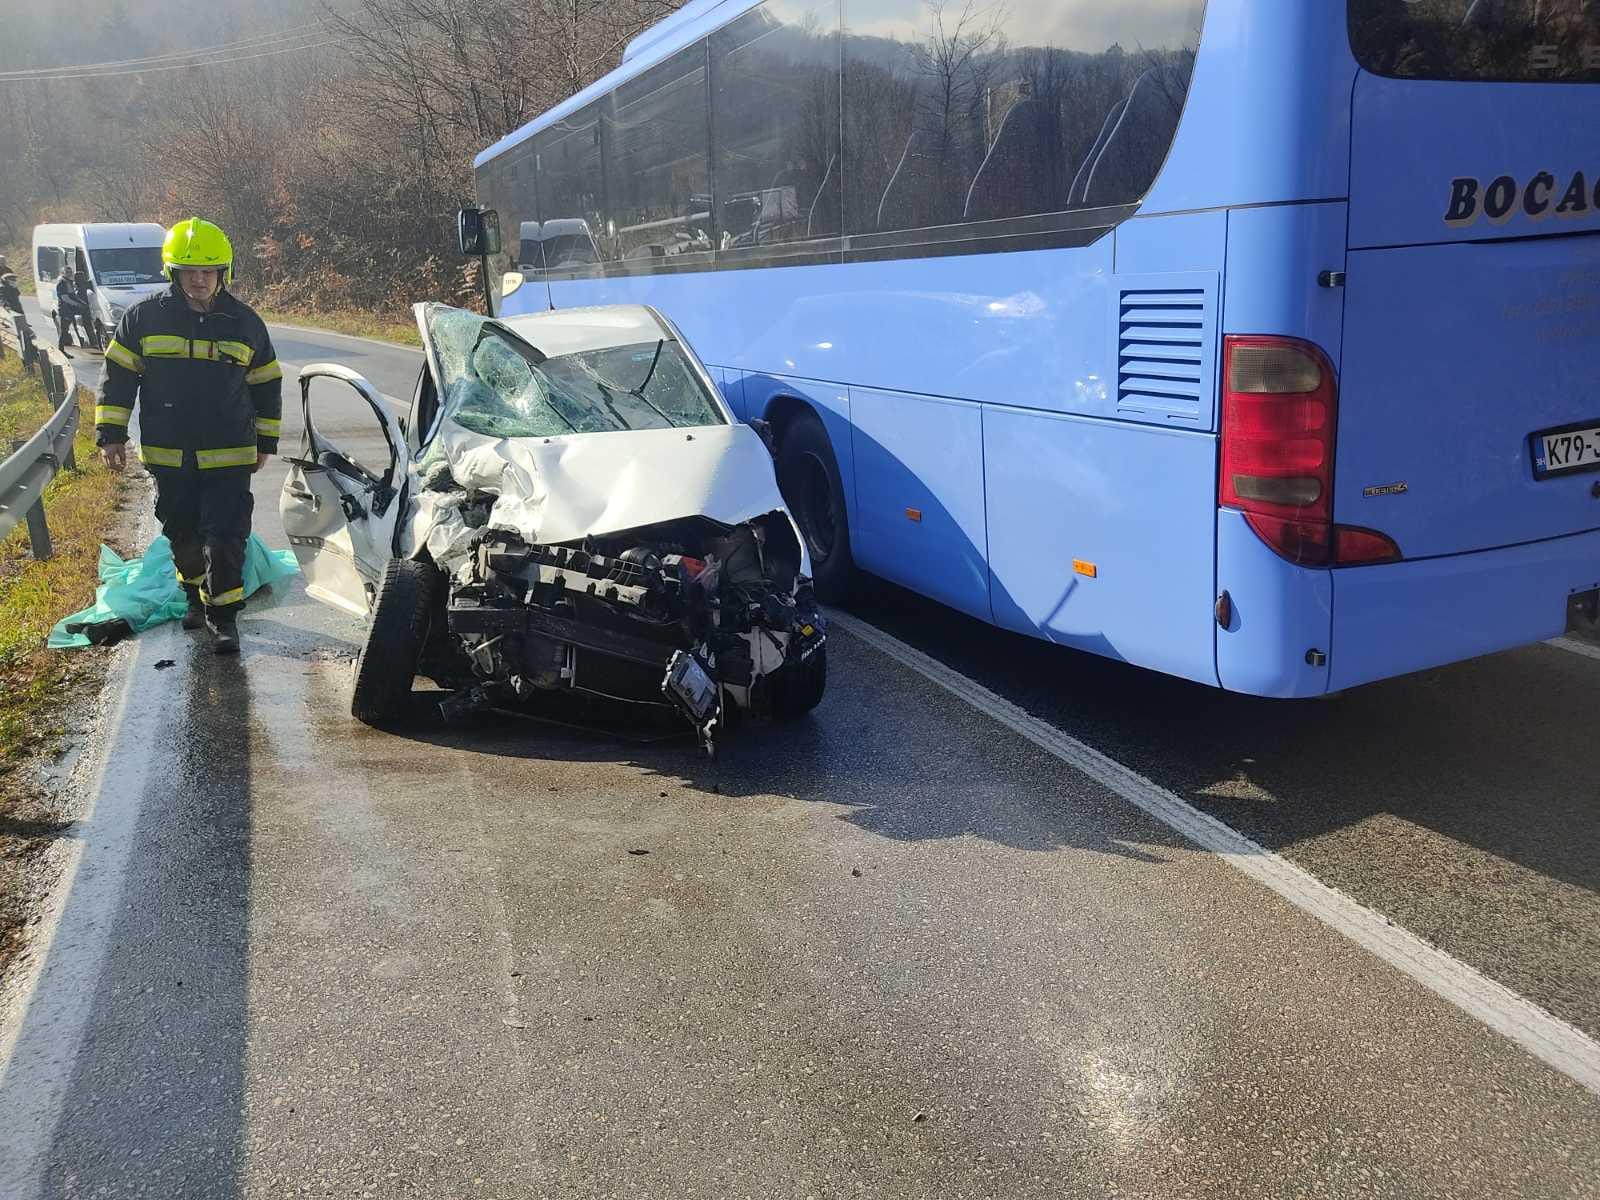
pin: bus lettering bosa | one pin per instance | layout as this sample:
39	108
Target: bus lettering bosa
1252	341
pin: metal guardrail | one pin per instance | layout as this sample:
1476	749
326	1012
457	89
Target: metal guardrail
34	462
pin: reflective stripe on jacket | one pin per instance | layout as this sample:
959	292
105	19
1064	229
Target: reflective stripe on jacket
207	385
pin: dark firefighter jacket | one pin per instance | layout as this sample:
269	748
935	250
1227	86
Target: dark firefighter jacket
209	383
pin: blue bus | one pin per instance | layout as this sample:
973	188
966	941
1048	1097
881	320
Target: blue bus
1252	341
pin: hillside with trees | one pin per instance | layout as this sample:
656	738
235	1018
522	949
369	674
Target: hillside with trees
332	140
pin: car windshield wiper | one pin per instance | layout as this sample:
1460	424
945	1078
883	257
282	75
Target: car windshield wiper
609	386
645	382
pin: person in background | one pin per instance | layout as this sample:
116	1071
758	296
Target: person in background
202	363
69	308
10	293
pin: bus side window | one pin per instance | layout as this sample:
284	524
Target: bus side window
955	116
48	263
657	150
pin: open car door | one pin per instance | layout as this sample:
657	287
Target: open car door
340	504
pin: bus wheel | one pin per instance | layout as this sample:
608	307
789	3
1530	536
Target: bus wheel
809	477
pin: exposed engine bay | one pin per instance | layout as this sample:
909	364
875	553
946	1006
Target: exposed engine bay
691	614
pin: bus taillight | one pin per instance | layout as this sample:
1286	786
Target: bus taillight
1279	414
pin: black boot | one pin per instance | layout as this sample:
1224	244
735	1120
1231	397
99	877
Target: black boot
195	616
224	626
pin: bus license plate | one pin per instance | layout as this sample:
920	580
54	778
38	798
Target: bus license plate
1563	451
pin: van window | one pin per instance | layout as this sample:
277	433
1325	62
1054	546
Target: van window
121	266
48	263
1517	41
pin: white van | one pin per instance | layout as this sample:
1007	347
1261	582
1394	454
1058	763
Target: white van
119	264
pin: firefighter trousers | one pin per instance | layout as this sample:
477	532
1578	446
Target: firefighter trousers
206	517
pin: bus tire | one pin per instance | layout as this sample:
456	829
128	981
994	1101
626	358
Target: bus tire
402	614
808	475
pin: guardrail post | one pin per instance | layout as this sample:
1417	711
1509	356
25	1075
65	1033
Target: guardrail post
38	531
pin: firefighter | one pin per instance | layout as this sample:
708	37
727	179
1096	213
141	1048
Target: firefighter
202	366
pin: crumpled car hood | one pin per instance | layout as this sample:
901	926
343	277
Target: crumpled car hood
563	489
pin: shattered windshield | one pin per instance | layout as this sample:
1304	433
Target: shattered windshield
498	385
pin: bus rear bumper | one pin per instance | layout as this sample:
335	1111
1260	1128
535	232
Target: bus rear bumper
1402	617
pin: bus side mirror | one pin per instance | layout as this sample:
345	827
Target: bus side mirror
478	231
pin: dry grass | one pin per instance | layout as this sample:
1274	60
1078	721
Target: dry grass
23	409
37	684
361	324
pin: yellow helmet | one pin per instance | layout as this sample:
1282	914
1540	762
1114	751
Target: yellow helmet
197	243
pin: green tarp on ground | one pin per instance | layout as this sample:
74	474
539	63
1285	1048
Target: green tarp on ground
144	592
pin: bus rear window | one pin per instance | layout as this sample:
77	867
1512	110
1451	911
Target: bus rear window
1512	41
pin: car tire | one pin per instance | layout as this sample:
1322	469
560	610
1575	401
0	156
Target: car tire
808	475
798	688
401	616
101	337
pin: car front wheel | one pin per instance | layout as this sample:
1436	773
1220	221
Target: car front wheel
401	616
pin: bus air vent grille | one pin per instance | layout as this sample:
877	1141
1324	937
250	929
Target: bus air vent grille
1164	353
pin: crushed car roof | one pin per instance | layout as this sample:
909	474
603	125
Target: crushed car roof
566	330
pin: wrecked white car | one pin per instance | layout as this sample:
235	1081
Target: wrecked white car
569	512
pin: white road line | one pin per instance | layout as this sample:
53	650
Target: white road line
1546	1037
1574	646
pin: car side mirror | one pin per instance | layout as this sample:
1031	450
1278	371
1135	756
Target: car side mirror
478	231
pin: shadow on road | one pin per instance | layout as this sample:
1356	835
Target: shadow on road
876	752
1495	754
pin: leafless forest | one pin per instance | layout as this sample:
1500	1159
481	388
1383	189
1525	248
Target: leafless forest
332	140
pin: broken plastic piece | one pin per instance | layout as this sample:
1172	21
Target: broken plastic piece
691	685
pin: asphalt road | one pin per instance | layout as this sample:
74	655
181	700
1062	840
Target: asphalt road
898	949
